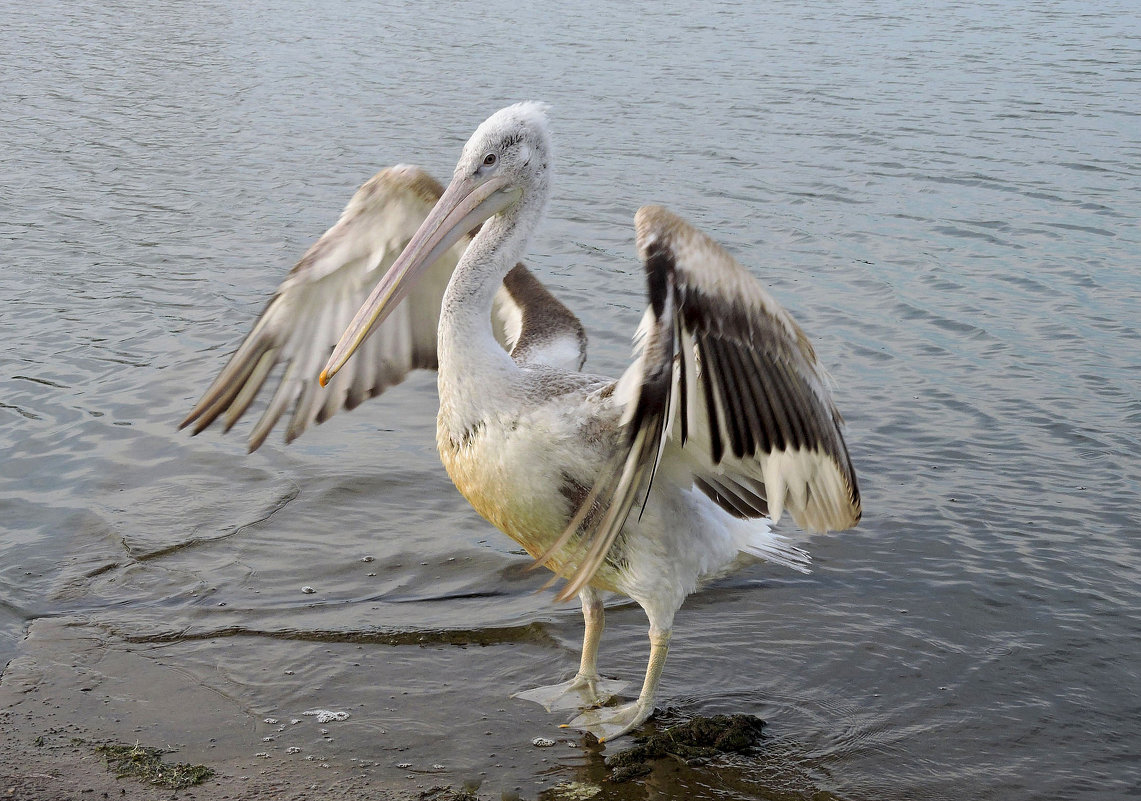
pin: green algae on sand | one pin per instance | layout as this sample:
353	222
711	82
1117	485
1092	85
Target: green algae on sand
146	763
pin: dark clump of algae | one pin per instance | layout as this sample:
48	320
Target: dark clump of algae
140	762
699	757
700	739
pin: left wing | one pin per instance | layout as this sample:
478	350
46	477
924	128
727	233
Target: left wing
728	380
310	309
302	321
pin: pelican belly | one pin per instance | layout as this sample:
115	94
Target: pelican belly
519	473
491	466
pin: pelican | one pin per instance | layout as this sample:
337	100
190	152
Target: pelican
649	485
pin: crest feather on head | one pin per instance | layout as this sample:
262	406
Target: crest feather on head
529	114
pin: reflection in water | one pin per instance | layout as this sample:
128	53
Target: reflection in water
946	201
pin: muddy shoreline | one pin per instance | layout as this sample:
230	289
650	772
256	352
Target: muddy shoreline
54	766
72	688
69	691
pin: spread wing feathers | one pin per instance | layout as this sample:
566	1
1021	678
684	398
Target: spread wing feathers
312	307
731	382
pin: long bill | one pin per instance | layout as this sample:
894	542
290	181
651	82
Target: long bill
467	202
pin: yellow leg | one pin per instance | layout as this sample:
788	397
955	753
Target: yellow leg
587	688
594	621
610	722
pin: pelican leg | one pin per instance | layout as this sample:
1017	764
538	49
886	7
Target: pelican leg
607	723
587	688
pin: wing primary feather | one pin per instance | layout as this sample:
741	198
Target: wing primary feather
327	318
286	393
760	414
250	388
221	400
660	398
336	391
770	404
751	419
732	395
227	385
787	386
659	349
717	450
209	412
299	421
682	386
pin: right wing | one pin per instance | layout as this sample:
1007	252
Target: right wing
726	387
311	308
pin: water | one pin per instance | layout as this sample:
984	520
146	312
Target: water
946	198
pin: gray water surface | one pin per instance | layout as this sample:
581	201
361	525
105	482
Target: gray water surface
947	198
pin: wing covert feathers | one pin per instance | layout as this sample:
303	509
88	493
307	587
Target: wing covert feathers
725	374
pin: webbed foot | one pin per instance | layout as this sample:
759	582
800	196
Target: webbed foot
606	723
581	692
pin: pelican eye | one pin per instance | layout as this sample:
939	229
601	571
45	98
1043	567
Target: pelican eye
489	160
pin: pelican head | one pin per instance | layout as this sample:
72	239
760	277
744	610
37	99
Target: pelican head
503	169
514	143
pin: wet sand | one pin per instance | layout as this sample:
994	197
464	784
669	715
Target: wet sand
73	687
63	770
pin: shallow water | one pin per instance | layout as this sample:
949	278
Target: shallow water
947	201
